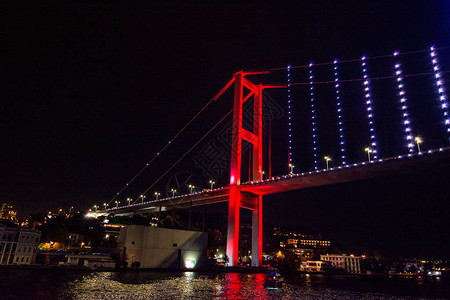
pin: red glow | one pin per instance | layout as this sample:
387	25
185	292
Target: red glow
255	138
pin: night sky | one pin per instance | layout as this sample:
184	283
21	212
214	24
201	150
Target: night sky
92	91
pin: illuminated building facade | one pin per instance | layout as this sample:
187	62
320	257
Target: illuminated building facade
314	266
7	212
152	247
314	243
349	263
18	245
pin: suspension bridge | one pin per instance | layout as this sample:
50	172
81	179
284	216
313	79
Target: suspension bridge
248	194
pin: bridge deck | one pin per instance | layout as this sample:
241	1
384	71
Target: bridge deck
280	184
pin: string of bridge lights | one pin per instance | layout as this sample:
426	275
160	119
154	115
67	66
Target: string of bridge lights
313	119
161	151
289	118
442	98
403	100
339	110
398	76
369	108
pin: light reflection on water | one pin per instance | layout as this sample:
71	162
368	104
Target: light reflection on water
57	284
190	285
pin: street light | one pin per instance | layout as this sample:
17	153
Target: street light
212	183
418	140
105	205
291	169
157	194
129	201
191	187
117	204
368	150
173	192
262	175
142	197
95	208
327	159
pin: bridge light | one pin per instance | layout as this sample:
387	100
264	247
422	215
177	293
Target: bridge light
418	141
191	187
173	192
129	200
327	159
157	195
105	205
368	150
117	203
212	184
142	197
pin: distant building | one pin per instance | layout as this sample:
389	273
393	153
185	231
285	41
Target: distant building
75	239
302	252
315	266
112	230
314	243
18	245
7	212
349	263
153	247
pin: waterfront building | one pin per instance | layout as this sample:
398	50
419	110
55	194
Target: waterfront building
152	247
18	245
315	266
94	261
349	263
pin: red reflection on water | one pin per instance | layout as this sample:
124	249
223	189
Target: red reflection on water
242	286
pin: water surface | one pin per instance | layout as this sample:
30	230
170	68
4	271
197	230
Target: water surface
62	284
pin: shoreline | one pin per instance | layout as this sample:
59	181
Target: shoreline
219	270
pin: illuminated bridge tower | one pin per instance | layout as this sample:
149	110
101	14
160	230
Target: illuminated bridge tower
238	199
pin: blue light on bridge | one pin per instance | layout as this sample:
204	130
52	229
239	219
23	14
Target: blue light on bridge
339	110
289	117
439	82
313	119
369	109
403	102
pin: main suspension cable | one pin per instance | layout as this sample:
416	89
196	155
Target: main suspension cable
166	145
356	59
186	153
364	79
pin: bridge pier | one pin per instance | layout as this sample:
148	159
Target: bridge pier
252	202
257	234
233	226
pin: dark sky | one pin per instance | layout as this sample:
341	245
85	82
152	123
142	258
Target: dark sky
92	91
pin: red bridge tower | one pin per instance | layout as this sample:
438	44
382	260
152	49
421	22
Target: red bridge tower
238	199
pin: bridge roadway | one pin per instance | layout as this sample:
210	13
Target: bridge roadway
279	184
